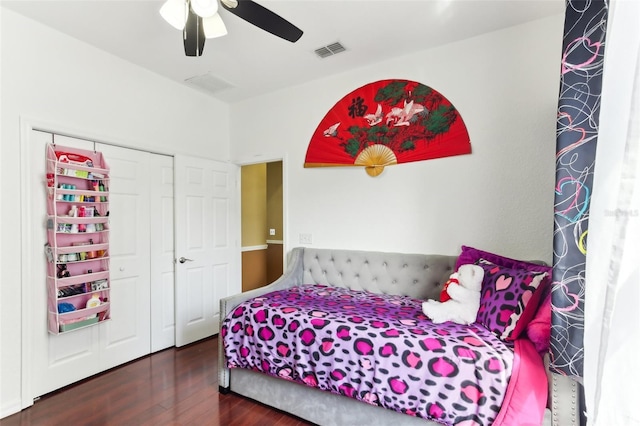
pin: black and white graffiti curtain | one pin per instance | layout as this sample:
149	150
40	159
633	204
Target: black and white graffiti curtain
577	136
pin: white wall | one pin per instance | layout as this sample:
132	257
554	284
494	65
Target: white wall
48	77
499	198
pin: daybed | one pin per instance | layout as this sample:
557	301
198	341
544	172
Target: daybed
393	284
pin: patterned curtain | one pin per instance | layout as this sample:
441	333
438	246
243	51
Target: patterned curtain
577	135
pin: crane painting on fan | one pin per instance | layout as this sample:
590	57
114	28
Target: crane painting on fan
199	19
373	119
332	131
412	122
406	115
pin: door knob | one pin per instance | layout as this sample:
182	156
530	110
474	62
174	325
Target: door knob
184	259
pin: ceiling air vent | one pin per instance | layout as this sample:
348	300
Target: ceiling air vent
208	83
330	49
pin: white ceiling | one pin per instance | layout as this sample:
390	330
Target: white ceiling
255	62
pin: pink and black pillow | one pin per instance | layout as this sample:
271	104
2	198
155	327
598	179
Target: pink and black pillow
505	295
511	291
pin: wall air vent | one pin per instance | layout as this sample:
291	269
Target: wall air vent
330	49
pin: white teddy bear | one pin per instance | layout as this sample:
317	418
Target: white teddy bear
462	307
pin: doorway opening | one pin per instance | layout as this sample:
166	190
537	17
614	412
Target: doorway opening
262	224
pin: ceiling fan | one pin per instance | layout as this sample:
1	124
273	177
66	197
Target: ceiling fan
199	19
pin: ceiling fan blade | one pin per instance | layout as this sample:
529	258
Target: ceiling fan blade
265	19
214	26
193	35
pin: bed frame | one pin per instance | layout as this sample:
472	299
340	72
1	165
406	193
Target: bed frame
415	275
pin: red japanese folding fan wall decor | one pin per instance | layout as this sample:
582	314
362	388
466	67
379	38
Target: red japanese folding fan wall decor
388	122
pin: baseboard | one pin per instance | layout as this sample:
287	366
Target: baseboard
9	408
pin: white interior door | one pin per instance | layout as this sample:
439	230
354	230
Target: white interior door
127	335
207	238
162	254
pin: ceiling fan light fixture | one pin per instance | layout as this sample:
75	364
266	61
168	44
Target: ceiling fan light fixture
232	4
214	26
204	8
175	13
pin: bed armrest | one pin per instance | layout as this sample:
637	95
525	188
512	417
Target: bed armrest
291	278
565	402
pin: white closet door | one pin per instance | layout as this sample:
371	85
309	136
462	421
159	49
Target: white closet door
127	335
57	360
162	254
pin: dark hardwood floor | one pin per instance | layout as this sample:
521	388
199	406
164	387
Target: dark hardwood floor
171	387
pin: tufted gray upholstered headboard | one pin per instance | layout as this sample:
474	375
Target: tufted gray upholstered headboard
416	275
